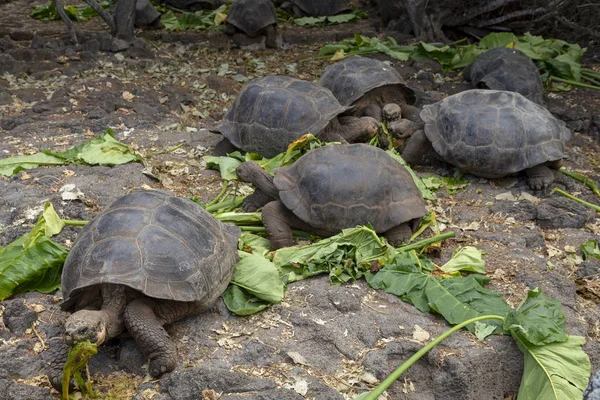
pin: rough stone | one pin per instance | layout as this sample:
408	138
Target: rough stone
17	317
562	213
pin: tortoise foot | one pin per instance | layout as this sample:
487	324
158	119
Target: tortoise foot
540	177
162	364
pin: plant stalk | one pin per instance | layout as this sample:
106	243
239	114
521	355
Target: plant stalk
426	242
570	196
75	222
224	186
263	229
387	382
583	179
574	83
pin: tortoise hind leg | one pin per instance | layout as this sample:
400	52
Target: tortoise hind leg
398	234
539	177
144	319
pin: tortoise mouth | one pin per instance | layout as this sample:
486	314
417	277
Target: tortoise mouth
76	335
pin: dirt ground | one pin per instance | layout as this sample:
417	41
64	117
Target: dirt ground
321	342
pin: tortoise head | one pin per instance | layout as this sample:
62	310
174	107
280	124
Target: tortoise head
86	325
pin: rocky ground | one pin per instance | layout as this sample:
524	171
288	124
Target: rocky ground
321	342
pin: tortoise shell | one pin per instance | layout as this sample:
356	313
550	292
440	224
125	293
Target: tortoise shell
353	77
341	186
319	8
160	245
251	16
506	69
493	133
273	111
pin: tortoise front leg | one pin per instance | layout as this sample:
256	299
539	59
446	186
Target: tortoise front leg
55	358
271	33
373	110
279	222
153	340
351	129
539	177
419	150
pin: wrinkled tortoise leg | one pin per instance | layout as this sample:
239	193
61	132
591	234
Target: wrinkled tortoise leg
411	113
271	33
539	177
398	234
419	150
56	357
253	173
146	326
350	129
256	200
403	128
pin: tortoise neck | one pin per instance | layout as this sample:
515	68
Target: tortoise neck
114	301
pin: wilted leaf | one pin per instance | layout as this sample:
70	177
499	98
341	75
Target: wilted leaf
538	320
466	259
254	244
241	302
226	165
27	266
556	371
101	150
483	330
240	219
259	277
13	165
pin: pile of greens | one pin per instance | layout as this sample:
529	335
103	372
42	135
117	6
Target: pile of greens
194	21
77	12
556	59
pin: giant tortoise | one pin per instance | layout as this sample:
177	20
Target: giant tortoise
253	18
372	88
491	134
144	262
336	187
506	69
273	111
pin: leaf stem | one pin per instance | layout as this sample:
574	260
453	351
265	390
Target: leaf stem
232	203
574	83
224	186
583	179
570	196
387	382
426	242
263	229
75	222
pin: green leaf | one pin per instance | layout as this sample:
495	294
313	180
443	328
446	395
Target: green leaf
27	266
101	150
590	249
404	279
169	20
460	299
259	277
342	18
425	192
254	244
13	165
497	39
77	12
465	55
443	55
310	21
556	371
466	259
538	320
226	165
240	302
454	183
564	66
483	330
